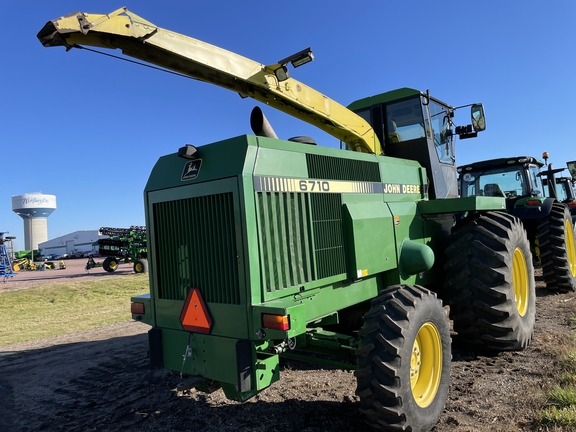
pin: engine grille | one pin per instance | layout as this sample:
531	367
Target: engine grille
196	247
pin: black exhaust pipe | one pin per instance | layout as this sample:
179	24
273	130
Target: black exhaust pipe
260	125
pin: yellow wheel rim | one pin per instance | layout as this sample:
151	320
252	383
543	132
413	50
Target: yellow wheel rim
426	365
570	248
138	268
520	282
113	265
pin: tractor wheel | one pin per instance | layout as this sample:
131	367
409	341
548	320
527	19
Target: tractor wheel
110	264
557	249
141	266
403	360
490	283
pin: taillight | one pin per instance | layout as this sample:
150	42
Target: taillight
137	308
276	322
533	202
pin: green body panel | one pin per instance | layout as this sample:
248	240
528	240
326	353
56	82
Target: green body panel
275	162
212	356
408	225
313	305
168	316
368	228
457	205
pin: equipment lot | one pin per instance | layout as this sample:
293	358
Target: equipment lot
75	268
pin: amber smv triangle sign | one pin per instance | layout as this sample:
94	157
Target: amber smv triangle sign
194	316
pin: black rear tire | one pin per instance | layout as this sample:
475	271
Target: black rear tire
490	283
556	241
141	266
404	359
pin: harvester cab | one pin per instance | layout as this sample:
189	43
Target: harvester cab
413	125
284	249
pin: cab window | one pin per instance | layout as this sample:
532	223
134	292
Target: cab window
404	120
537	188
561	191
439	127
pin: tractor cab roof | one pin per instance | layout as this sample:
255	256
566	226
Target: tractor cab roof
500	162
390	96
563	180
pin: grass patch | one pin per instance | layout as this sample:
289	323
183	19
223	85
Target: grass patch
562	398
55	309
560	409
559	417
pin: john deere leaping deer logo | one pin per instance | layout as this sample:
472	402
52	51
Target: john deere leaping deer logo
191	169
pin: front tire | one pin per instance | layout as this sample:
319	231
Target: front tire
403	360
556	241
490	283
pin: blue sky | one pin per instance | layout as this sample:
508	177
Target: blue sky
88	128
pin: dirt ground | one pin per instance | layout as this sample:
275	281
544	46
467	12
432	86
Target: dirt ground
98	380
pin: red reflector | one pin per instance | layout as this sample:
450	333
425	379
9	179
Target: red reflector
194	316
572	204
137	308
533	202
276	322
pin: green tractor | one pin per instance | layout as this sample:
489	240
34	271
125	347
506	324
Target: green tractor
564	190
124	245
548	222
263	248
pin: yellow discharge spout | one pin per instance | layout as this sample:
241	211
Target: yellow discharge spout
139	38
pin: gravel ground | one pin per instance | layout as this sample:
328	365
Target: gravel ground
98	380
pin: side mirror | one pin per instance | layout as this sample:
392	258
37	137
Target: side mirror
478	118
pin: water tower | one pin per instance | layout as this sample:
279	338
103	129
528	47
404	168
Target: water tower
34	208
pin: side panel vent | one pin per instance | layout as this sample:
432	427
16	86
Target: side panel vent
284	228
195	245
332	168
328	236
